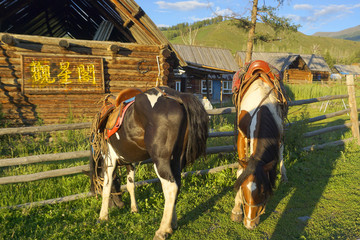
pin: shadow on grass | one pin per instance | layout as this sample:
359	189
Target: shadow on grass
309	174
196	212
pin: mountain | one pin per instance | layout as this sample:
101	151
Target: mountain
349	34
228	34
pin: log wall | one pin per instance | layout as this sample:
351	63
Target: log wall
124	65
296	76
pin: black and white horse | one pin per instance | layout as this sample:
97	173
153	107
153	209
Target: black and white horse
169	127
261	106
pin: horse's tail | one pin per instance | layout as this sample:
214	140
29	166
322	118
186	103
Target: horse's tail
198	122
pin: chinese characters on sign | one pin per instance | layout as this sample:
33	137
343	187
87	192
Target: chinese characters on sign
62	74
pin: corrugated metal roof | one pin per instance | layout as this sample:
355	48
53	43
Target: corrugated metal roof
80	19
279	60
347	69
315	62
216	58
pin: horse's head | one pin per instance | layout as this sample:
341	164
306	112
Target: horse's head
254	187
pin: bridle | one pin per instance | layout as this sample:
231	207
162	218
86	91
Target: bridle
262	204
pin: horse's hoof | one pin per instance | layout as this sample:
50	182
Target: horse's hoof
174	226
162	235
134	210
159	236
118	203
236	217
284	178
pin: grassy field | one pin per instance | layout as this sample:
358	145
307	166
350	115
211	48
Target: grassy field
320	200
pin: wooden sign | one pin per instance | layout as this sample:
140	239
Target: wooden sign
55	75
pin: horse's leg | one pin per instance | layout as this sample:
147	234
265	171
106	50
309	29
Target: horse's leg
116	199
237	212
170	189
282	165
108	177
130	178
241	146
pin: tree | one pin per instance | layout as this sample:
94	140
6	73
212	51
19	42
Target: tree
188	36
265	14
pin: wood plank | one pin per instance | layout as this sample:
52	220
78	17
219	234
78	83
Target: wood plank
329	144
91	44
48	128
319	99
45	175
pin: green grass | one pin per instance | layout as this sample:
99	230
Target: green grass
323	186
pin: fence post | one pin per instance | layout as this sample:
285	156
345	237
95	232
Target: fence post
353	109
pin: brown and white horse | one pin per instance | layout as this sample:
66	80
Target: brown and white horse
261	105
169	127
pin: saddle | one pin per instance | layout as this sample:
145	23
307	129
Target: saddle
255	70
113	110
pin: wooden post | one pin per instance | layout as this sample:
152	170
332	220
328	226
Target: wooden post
221	93
207	87
353	109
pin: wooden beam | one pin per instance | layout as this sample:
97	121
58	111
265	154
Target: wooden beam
137	22
8	39
44	175
64	44
43	158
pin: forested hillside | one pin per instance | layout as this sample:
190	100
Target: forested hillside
232	35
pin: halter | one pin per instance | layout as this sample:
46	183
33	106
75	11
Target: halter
262	204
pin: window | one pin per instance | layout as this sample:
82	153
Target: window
178	86
203	86
227	87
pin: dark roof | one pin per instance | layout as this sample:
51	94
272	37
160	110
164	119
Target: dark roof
279	60
79	19
347	69
315	62
217	59
282	60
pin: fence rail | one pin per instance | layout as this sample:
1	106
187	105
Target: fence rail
354	125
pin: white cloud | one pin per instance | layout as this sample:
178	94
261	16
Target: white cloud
196	19
223	12
163	25
316	16
303	7
183	5
321	14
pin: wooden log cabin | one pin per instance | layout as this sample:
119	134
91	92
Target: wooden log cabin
58	59
208	72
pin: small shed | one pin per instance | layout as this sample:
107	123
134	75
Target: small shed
59	58
208	71
296	68
344	70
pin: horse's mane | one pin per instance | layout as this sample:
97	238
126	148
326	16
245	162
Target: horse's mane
267	150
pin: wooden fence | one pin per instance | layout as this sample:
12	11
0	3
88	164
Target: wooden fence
354	125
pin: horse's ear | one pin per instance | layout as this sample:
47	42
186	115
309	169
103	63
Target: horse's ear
267	167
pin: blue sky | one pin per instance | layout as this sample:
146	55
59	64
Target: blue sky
313	16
